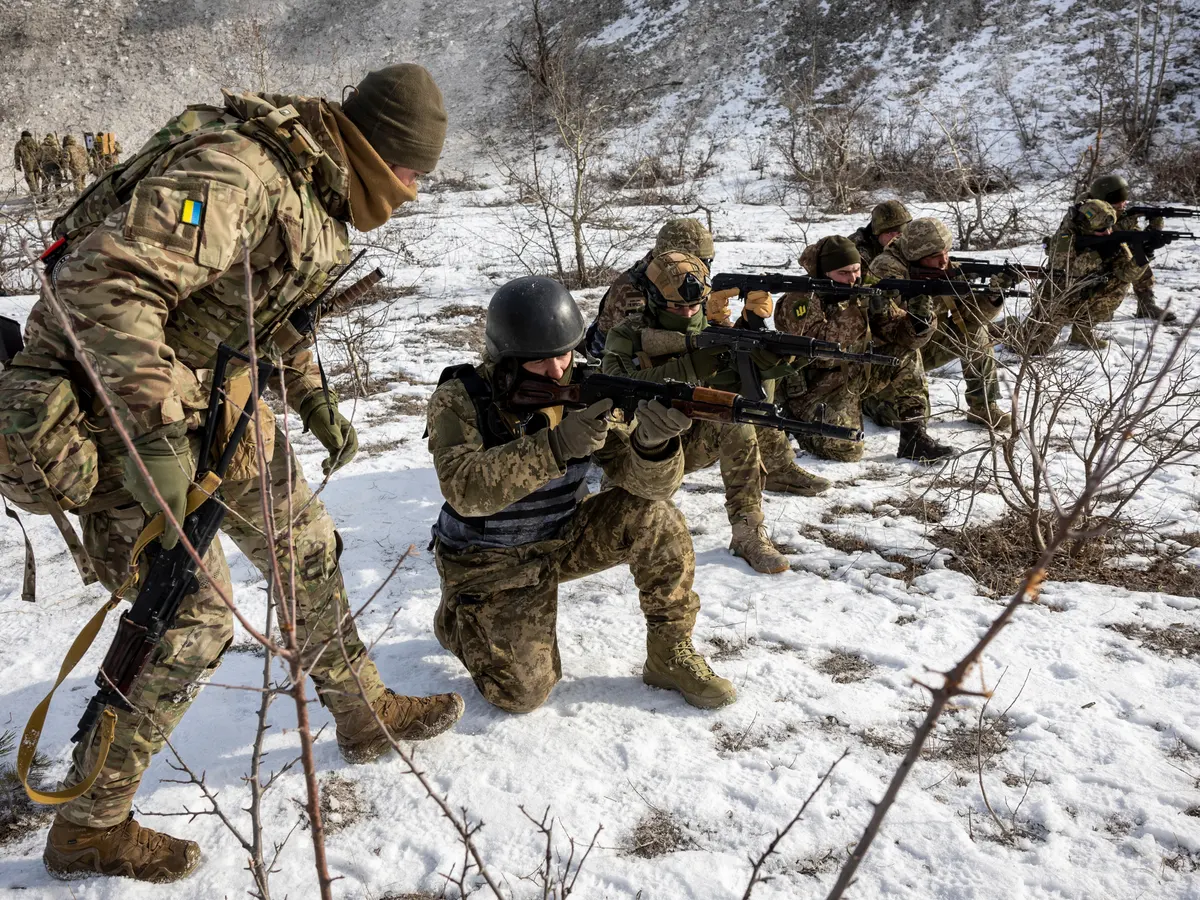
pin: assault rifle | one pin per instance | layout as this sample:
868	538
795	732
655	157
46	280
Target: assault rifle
711	405
775	283
981	268
171	574
1162	212
305	319
1142	244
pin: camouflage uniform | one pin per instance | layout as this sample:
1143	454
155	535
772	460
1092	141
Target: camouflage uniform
841	388
50	164
76	159
26	154
1143	288
961	328
499	607
1082	289
889	216
152	296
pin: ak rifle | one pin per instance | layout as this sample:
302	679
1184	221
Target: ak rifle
1142	244
982	268
528	395
1162	212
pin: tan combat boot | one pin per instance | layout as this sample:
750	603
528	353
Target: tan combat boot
407	718
992	417
76	851
1084	336
678	667
779	459
751	543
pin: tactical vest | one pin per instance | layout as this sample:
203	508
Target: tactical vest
537	517
316	244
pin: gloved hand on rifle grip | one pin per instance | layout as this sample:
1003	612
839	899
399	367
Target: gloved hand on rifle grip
581	432
320	415
168	459
657	424
759	303
707	360
920	310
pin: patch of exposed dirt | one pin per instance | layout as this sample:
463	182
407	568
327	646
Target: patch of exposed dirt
657	834
835	540
846	667
1176	640
997	554
959	743
840	510
342	803
748	738
924	510
729	647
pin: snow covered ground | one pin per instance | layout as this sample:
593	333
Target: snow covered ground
1097	758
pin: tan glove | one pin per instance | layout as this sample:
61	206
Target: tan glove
759	303
657	424
717	307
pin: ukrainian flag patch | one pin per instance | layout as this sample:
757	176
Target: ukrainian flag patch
191	212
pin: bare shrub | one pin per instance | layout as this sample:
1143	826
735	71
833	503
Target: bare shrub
1174	175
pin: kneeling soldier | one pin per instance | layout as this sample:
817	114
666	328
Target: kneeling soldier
677	285
518	518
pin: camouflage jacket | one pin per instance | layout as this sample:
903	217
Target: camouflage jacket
50	154
623	298
1079	277
76	159
867	243
978	308
26	154
156	286
480	482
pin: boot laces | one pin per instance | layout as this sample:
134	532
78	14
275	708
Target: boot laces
685	656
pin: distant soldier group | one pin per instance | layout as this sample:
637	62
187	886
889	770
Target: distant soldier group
49	167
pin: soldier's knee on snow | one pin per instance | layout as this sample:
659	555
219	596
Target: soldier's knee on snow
516	698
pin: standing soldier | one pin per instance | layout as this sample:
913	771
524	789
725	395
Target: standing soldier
859	325
26	155
50	164
76	161
518	518
887	220
627	297
1081	289
1114	190
678	285
154	284
923	252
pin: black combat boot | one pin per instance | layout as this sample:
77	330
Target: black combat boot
915	443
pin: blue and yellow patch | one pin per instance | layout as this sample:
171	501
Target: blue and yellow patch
191	212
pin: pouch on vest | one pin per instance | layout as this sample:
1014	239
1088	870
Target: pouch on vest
244	464
48	460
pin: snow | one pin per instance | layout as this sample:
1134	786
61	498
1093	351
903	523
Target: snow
1102	760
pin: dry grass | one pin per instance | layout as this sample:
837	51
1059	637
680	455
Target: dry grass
657	834
1177	640
962	743
846	667
924	510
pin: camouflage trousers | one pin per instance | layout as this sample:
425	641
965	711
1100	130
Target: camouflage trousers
1053	308
190	652
31	180
976	349
499	608
735	448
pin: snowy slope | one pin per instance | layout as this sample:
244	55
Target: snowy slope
1101	736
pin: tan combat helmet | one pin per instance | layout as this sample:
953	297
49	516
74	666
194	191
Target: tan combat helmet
686	236
679	278
890	215
399	111
924	237
1095	216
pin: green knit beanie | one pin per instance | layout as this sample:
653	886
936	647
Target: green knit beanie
837	252
399	111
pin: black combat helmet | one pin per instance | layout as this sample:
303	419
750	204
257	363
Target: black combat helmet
532	318
1110	189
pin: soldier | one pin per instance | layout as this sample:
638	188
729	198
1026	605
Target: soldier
50	164
677	287
76	161
153	286
887	219
1082	288
627	297
518	518
1114	190
923	251
841	388
25	160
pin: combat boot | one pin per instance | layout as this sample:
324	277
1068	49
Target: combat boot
751	543
795	480
990	417
1085	337
406	718
915	443
76	851
1148	309
678	667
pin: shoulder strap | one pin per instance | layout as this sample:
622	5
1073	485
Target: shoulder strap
480	393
